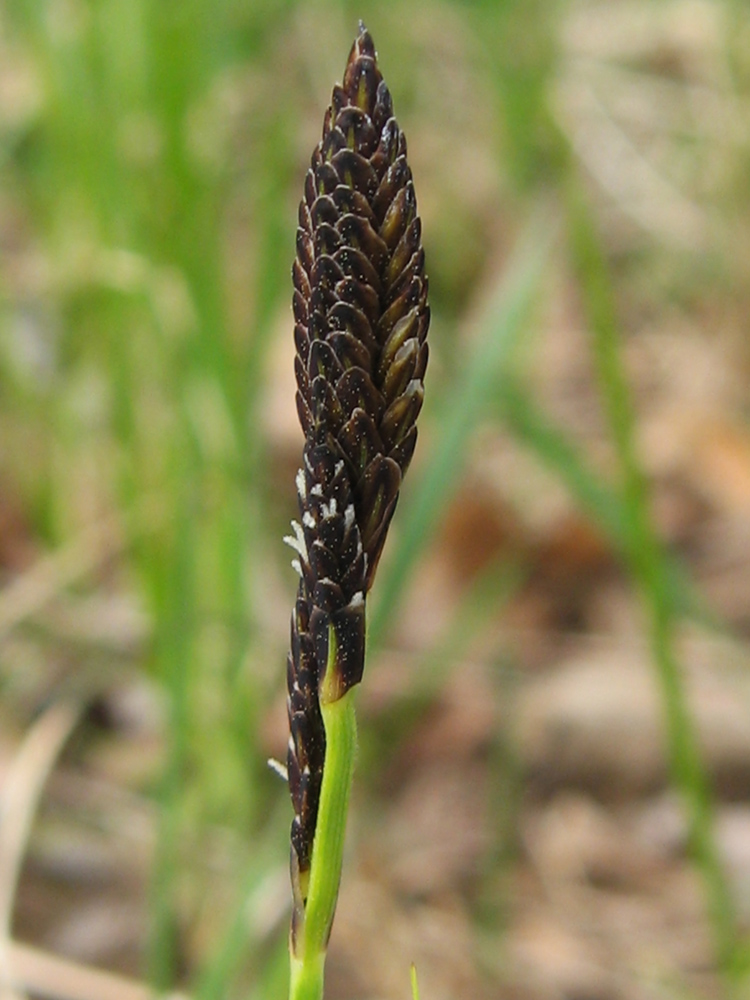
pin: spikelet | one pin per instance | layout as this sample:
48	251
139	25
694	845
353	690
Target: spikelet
361	319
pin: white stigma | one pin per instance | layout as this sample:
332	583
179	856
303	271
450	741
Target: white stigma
278	768
329	509
301	487
298	541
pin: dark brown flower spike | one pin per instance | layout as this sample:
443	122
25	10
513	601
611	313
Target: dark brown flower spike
361	318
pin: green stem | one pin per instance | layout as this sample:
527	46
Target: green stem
307	966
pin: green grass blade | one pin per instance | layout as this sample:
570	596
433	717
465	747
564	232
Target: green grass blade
174	648
237	946
526	421
647	566
481	602
414	984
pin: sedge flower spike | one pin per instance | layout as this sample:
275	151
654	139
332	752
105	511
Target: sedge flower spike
361	319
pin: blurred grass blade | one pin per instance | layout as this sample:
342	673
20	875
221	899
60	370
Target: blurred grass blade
414	985
518	410
480	603
646	559
528	423
242	941
273	974
174	642
464	406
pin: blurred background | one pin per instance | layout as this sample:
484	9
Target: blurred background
552	799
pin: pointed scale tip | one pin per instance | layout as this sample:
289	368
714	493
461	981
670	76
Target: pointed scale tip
363	44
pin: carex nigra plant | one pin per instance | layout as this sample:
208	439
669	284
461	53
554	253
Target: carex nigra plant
361	318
